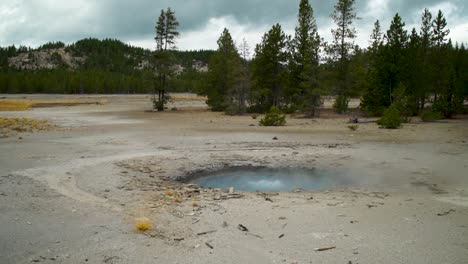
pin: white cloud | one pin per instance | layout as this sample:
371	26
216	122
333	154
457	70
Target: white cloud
206	37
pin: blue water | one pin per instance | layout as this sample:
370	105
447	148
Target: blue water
266	179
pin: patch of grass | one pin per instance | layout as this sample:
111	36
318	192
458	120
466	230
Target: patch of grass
353	127
15	105
24	105
143	224
12	125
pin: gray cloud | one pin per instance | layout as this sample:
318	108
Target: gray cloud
32	22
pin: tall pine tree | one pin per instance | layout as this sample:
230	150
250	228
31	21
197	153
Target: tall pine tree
223	73
303	91
269	71
166	34
344	16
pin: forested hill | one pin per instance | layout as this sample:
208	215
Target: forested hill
92	66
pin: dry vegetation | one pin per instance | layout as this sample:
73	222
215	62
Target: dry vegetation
143	224
9	125
23	105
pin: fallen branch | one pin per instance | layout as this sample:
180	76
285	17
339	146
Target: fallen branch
324	248
206	232
209	245
254	235
446	213
242	228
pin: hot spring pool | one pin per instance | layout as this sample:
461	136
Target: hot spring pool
269	179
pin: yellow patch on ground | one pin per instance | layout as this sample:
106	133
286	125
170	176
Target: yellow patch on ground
13	125
23	105
170	193
143	224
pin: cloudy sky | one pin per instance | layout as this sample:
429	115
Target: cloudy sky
34	22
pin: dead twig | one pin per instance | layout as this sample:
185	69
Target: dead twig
254	235
206	232
446	212
209	245
324	248
242	228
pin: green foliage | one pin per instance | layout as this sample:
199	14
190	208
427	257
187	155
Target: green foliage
339	51
431	116
353	127
273	118
52	45
223	73
269	74
302	91
391	118
166	34
412	72
341	104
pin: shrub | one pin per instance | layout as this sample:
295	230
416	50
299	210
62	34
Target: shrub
353	127
341	104
391	118
431	116
273	118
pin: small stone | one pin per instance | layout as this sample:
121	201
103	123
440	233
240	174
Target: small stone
107	190
275	138
29	223
231	190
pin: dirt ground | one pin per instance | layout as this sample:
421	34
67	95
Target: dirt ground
72	194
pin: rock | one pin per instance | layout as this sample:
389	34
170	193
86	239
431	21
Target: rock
107	190
231	190
275	138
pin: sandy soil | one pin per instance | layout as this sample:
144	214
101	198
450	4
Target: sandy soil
72	195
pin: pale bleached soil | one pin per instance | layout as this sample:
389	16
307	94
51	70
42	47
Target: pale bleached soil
71	195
